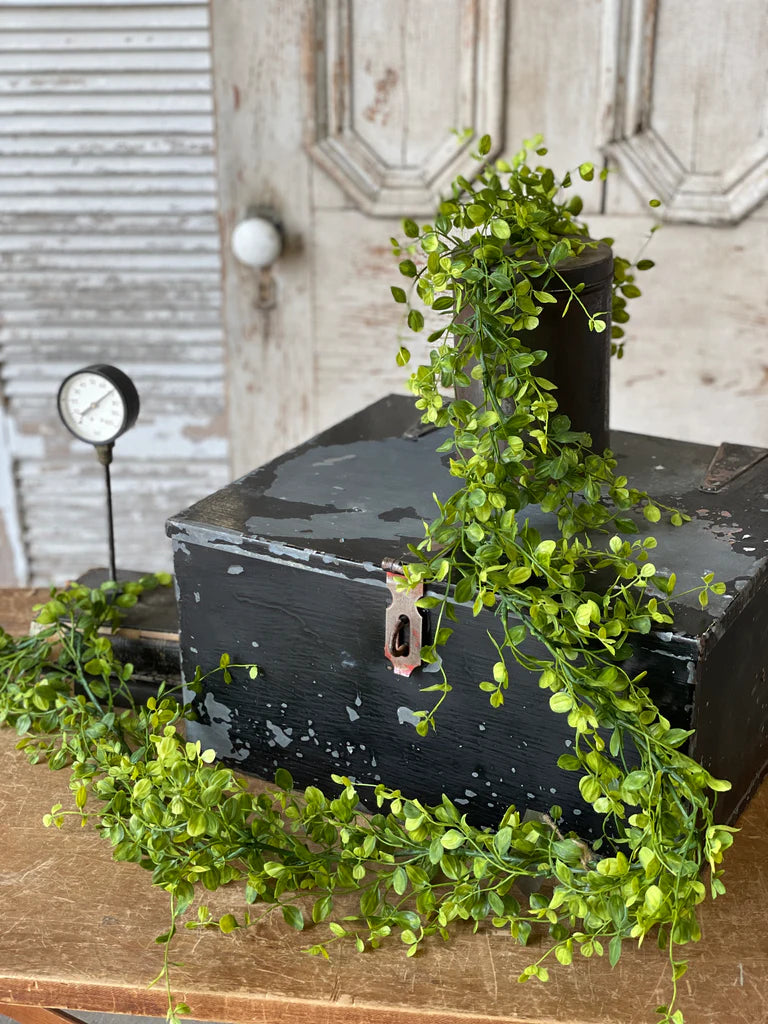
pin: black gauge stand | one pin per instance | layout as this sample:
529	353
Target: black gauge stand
104	455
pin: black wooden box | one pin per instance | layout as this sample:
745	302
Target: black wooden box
284	568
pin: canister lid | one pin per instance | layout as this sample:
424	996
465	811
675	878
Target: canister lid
593	265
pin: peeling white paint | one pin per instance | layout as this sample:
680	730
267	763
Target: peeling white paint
280	735
406	716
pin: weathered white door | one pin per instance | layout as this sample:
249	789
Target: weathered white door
336	116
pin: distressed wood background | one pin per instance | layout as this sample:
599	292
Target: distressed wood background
337	113
109	252
336	116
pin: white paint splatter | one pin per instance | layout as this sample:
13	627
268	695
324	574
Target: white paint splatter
406	717
281	737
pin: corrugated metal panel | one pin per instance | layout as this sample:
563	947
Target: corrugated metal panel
109	252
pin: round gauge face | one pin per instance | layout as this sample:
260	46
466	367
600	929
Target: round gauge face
92	407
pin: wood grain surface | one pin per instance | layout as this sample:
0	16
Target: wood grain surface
77	931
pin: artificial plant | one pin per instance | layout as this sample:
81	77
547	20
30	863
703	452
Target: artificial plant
414	871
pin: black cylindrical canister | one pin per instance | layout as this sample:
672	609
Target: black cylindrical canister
578	360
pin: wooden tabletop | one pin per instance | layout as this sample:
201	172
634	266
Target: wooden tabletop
77	931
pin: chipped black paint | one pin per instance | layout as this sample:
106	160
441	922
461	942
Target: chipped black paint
307	535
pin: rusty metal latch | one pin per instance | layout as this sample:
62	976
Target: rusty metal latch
403	624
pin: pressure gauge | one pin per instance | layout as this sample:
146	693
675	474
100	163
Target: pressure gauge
98	403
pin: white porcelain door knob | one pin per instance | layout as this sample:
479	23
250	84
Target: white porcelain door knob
257	242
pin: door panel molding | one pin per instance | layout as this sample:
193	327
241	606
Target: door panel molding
651	162
379	187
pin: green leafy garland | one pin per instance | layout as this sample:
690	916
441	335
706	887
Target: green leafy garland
487	264
416	870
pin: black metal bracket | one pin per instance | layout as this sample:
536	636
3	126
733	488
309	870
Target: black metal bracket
729	462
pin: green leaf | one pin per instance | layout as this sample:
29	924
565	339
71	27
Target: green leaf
718	785
293	917
586	171
411	228
484	145
196	824
408	268
545	549
559	251
415	320
518	575
475	533
564	954
568	851
501	281
636	780
561	702
502	841
228	923
399	881
403	356
653	900
321	908
587	613
589	788
398	294
500	229
284	779
569	762
451	839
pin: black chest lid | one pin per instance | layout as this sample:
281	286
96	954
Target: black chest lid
358	493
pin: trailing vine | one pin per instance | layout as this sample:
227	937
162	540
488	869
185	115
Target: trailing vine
568	608
414	870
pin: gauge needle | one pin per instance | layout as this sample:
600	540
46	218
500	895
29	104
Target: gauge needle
93	405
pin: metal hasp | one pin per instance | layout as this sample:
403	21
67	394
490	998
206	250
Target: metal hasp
403	623
728	463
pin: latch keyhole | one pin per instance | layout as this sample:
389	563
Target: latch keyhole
400	644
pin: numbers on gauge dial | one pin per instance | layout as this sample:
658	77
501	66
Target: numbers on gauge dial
92	407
